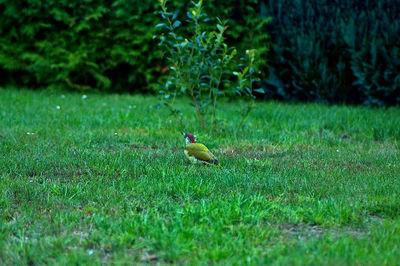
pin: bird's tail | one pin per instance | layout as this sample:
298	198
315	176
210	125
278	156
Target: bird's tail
216	162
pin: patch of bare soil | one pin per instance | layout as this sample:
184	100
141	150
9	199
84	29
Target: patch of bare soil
306	232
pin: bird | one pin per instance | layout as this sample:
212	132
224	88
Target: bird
197	152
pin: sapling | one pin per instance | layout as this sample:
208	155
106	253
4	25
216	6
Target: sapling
200	62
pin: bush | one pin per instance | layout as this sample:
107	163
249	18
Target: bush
102	45
201	63
334	51
327	51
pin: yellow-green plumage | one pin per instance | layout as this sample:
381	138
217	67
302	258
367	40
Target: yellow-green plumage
200	151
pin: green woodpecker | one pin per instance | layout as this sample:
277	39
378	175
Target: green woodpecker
197	152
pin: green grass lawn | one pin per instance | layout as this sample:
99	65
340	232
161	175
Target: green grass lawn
104	180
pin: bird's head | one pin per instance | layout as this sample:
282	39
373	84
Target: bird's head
189	138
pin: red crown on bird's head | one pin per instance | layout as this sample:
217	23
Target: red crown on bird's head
190	136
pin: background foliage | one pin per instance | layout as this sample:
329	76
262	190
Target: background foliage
329	51
95	44
334	51
106	45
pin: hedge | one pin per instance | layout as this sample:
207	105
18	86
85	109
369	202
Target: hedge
329	51
98	44
334	51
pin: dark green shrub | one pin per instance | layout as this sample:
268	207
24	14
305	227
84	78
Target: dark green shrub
97	44
334	51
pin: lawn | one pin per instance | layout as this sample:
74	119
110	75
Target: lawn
103	179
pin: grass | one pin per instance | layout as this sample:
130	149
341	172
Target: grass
104	180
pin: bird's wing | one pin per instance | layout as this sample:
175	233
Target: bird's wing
201	152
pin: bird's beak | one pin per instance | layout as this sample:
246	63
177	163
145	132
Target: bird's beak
183	133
